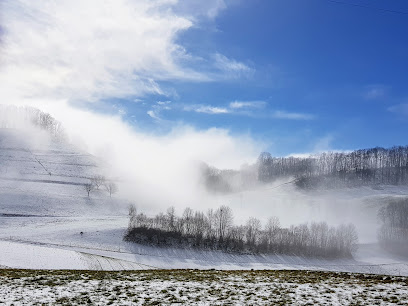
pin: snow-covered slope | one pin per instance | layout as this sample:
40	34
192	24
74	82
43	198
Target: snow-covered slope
48	221
46	177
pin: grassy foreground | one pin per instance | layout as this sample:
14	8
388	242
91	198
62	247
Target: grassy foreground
199	287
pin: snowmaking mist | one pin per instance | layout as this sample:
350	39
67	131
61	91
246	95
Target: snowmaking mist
65	74
156	172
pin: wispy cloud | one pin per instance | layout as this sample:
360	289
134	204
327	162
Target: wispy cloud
254	109
163	103
373	92
247	104
401	109
196	9
207	109
158	108
292	116
231	67
153	115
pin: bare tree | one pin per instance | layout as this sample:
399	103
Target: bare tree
188	221
89	187
132	215
272	228
253	228
224	219
171	218
98	180
200	224
211	225
111	187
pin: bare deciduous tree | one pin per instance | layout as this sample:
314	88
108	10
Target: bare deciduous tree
171	218
98	180
88	187
132	215
224	219
111	187
253	228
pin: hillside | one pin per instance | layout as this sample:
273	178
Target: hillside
46	177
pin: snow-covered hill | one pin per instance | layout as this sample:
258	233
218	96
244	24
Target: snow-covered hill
48	221
46	177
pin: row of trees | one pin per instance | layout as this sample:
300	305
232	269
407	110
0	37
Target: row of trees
14	117
362	167
215	230
393	233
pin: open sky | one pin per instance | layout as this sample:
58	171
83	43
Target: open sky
298	76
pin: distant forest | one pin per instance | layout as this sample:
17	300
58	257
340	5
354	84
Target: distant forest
215	230
376	166
13	117
393	234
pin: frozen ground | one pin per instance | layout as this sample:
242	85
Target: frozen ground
44	208
158	287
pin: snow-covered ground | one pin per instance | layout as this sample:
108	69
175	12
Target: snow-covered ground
102	237
44	208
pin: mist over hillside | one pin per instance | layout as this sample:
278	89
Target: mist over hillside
44	176
42	173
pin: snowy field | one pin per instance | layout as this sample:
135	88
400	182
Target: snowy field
198	287
44	208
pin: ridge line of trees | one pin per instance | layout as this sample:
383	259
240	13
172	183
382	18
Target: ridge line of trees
332	169
393	233
365	167
13	117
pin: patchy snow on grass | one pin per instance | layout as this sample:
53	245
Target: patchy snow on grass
198	287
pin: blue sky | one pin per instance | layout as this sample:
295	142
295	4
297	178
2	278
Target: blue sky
316	75
298	76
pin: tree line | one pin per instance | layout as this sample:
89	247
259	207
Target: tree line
393	233
333	169
13	116
370	167
215	230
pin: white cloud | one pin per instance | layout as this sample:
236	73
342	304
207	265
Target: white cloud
158	108
163	102
247	104
247	108
292	116
91	49
153	114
